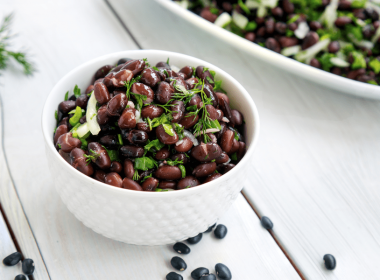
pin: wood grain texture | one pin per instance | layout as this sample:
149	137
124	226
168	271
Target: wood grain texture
16	217
7	247
62	37
315	172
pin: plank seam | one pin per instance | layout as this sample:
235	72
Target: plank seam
18	197
277	241
123	24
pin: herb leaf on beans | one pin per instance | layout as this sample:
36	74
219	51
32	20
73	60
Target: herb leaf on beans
139	99
129	85
153	146
145	163
93	156
76	91
146	177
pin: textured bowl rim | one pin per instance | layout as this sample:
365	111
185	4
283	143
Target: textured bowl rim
145	53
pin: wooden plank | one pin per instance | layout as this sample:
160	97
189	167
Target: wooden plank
7	247
12	208
315	171
70	250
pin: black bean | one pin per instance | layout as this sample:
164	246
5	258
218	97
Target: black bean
28	266
178	263
123	60
195	239
20	277
174	276
181	248
199	272
330	262
12	259
223	271
210	228
208	277
266	222
220	232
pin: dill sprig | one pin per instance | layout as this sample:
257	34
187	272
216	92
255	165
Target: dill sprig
6	54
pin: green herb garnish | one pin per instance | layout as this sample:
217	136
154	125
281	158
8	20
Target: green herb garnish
234	156
67	96
145	163
76	91
146	177
93	156
375	65
153	146
129	85
244	7
6	54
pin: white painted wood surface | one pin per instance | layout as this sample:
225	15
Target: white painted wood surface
7	247
16	217
62	35
316	170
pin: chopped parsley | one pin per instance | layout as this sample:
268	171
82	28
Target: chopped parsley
76	91
129	85
145	163
67	96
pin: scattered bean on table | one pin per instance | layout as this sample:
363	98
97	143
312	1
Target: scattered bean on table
178	263
330	262
199	272
195	239
28	266
266	222
220	231
12	259
181	248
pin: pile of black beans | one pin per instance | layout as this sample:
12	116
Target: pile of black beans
200	273
151	118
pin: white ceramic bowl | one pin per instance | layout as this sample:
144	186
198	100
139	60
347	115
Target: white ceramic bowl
302	70
146	218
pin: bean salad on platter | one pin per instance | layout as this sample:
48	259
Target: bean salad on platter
150	128
338	36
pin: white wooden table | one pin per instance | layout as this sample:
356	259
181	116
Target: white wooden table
315	173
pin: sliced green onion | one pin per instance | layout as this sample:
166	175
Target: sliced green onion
120	139
289	51
339	62
376	36
223	20
310	53
84	143
77	115
184	4
183	170
360	43
240	20
83	130
91	110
